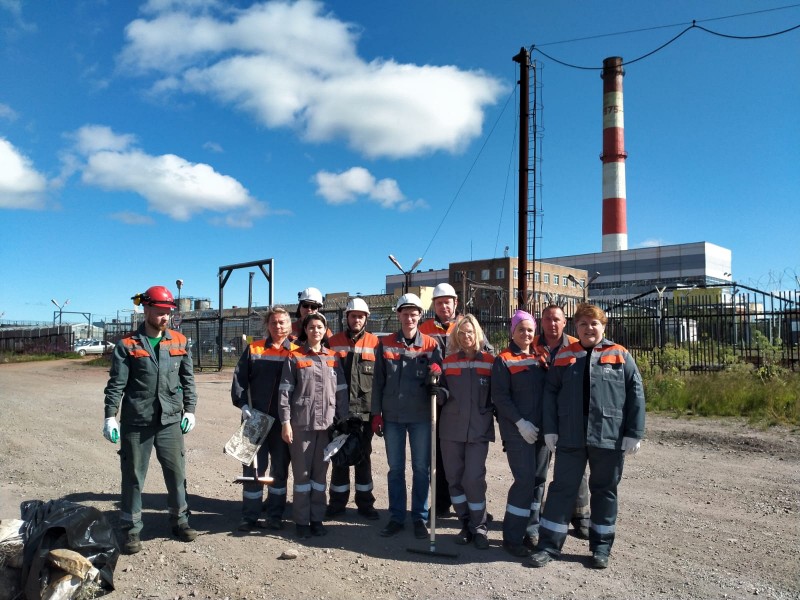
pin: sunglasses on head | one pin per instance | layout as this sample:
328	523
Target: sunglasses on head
309	305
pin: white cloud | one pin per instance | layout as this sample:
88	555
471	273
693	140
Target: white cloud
171	184
21	185
94	138
213	147
348	186
652	243
6	112
290	64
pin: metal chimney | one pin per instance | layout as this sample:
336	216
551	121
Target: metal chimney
615	222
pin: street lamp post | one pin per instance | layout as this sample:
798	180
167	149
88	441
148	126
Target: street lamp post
406	274
584	286
60	310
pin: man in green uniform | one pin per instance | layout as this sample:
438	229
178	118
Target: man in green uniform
151	386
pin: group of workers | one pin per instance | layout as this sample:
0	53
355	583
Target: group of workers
579	399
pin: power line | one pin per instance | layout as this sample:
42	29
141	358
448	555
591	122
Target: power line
693	25
656	27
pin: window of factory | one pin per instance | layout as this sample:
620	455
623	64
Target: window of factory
516	273
471	275
500	274
565	282
516	292
485	273
546	278
555	280
583	282
535	276
457	276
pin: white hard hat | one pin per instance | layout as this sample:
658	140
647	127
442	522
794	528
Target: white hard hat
356	304
310	294
444	290
409	300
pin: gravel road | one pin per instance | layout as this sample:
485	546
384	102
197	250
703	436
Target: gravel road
708	509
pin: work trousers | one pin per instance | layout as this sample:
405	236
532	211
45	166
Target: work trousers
419	441
278	470
252	491
136	446
522	461
465	467
580	513
340	478
605	472
309	472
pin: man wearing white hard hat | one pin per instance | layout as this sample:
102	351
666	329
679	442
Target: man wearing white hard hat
356	348
401	410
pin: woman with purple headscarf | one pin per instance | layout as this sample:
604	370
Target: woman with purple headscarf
518	374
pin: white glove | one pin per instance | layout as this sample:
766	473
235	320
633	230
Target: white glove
111	430
528	431
550	440
187	424
630	446
246	414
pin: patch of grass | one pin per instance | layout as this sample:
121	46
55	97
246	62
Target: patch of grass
18	357
770	395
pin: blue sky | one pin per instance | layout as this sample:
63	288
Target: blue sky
143	142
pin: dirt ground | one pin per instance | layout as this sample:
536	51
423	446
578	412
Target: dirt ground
708	509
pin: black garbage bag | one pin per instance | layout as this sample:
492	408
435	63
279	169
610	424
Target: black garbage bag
65	524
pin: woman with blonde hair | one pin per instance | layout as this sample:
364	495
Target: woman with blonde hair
466	427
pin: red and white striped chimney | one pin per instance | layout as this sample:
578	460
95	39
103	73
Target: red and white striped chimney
615	222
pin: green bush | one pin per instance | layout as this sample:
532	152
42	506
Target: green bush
769	394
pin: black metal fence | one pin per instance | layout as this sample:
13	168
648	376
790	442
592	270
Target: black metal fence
692	333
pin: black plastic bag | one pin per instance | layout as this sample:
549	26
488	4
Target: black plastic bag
65	524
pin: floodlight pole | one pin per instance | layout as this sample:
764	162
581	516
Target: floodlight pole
406	274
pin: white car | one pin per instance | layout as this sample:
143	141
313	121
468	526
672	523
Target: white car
95	347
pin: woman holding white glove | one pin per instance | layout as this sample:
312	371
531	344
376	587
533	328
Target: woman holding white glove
593	412
518	374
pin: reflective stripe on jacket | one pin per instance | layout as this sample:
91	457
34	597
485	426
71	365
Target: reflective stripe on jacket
146	389
259	373
399	392
517	382
358	363
312	390
467	414
616	401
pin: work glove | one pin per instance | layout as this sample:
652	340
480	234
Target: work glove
377	425
550	440
528	431
246	414
630	446
111	430
187	424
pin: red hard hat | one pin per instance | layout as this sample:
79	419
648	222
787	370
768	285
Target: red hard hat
159	296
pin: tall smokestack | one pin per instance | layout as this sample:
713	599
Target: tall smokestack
615	222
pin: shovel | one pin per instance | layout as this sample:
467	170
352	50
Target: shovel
433	379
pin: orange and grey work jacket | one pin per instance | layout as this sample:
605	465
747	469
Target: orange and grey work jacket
312	390
541	347
616	397
517	383
439	331
467	412
357	356
258	373
399	392
151	388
